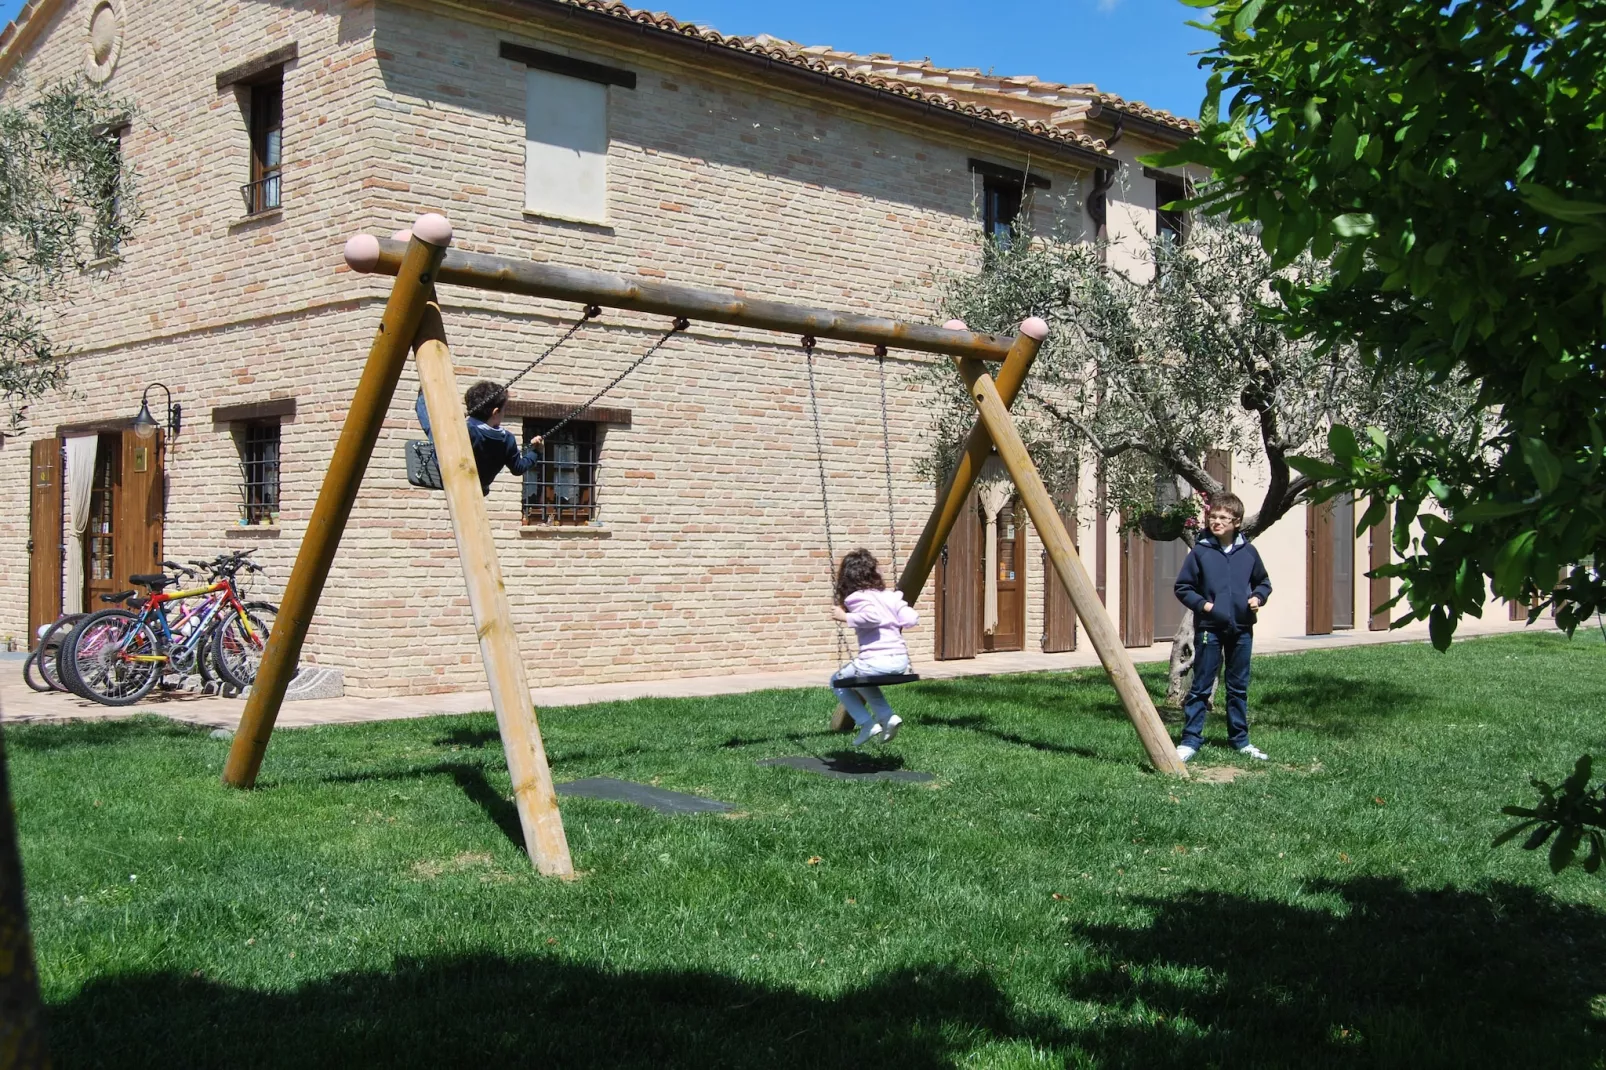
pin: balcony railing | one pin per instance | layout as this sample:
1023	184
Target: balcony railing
262	195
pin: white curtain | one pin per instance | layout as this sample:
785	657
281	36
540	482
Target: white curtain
80	481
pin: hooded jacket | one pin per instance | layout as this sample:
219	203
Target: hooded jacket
1227	580
879	618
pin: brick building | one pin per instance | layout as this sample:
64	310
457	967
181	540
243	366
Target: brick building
678	528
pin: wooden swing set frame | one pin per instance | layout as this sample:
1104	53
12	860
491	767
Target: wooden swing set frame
419	259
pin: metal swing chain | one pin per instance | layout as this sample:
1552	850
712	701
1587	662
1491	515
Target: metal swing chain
825	500
681	323
886	457
591	313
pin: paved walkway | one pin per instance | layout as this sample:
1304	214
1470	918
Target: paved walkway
21	704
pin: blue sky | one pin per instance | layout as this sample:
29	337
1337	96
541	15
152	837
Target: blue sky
1138	49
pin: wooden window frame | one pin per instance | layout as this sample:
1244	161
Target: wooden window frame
264	108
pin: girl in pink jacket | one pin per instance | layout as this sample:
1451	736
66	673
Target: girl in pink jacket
879	616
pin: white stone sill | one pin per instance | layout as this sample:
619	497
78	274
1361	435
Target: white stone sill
548	217
565	531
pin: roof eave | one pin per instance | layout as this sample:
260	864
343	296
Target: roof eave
1079	155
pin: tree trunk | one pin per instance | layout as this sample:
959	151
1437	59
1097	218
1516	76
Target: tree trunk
1181	663
22	1030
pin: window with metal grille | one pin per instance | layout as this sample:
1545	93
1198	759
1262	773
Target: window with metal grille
267	138
259	471
562	487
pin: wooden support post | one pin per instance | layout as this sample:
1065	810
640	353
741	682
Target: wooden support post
533	793
1057	541
364	417
978	445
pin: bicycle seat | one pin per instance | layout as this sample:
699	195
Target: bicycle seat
120	596
154	580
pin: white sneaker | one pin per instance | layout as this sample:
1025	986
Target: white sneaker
867	733
889	728
1186	752
1249	750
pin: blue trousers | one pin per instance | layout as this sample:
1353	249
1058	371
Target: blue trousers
1212	651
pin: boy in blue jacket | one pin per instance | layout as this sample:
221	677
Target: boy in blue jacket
494	447
1224	582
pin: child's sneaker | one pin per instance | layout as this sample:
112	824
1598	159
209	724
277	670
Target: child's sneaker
889	728
1186	753
1249	750
867	733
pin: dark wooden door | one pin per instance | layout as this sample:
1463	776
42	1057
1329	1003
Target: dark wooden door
1011	631
44	535
1059	616
140	506
1343	516
1318	569
958	611
1137	590
1380	550
1218	463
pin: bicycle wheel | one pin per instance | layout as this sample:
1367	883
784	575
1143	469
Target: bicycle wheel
106	658
237	651
30	676
50	650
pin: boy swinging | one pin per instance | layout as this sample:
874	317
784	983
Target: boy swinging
494	448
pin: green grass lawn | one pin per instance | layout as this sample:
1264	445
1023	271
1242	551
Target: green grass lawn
1046	901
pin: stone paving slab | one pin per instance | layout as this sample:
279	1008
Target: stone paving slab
21	704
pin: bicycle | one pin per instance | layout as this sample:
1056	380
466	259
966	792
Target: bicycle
116	656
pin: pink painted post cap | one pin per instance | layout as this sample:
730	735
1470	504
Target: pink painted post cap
362	252
433	228
404	234
1034	327
955	325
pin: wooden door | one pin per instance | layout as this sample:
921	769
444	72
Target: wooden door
958	612
100	535
1380	550
44	535
1318	569
1137	590
1059	616
140	507
1343	514
1218	464
1011	631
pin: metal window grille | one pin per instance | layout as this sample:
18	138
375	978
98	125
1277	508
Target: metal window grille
562	487
259	470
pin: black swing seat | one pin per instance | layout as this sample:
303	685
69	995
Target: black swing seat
423	467
884	680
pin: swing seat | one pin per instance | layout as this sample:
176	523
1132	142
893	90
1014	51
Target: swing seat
884	680
423	467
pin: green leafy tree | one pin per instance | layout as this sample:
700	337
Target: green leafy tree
65	202
1450	158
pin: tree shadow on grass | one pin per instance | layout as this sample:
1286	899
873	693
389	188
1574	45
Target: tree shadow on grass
535	1011
1331	703
1389	976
